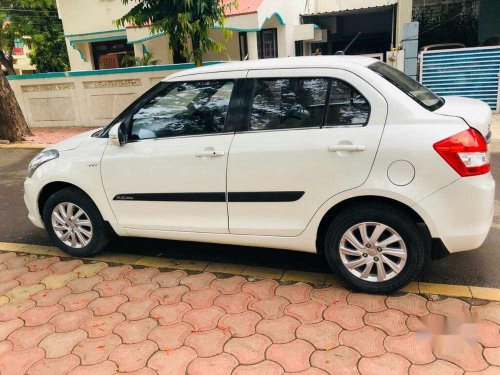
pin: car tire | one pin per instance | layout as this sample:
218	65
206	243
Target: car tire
400	225
76	200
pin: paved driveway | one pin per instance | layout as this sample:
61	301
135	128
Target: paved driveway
64	316
479	268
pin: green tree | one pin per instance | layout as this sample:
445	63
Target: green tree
37	22
182	20
7	38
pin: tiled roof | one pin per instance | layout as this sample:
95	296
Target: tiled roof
244	7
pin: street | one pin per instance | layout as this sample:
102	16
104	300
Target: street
478	268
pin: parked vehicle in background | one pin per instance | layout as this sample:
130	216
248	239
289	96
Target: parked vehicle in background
340	155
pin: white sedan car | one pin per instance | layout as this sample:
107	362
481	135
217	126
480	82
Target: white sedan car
342	156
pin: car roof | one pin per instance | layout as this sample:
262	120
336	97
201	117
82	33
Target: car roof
280	63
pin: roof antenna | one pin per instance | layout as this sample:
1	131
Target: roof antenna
349	45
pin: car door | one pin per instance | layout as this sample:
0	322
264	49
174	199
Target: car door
311	134
171	175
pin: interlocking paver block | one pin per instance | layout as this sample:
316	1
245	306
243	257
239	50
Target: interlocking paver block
135	331
13	310
100	326
11	274
248	350
491	311
73	302
454	349
22	292
65	266
170	337
41	263
198	281
82	285
437	367
29	337
58	345
18	362
107	305
306	312
199	299
295	293
115	273
292	356
368	341
281	330
260	289
387	364
9	326
450	307
170	314
170	295
89	269
139	292
137	310
208	343
266	367
169	279
110	288
204	319
173	362
492	355
339	361
488	333
8	285
230	285
56	281
5	346
132	357
6	256
54	366
34	277
323	335
18	261
102	368
40	315
69	321
369	302
241	324
93	351
234	303
4	300
410	304
348	317
50	296
269	308
392	322
417	350
141	275
221	364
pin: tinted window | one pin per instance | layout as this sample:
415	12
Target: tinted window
288	103
188	108
409	86
347	105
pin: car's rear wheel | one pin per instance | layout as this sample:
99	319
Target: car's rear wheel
376	249
74	223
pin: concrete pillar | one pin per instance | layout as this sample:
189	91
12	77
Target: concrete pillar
403	16
253	53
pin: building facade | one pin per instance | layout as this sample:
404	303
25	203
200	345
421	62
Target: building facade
260	29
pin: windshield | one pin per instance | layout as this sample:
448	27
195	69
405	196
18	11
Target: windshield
409	86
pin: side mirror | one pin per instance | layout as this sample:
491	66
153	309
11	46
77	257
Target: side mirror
118	134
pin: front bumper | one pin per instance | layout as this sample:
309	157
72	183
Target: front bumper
31	193
462	212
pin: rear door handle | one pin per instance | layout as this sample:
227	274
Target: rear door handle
209	153
347	148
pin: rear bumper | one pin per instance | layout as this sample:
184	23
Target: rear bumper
462	212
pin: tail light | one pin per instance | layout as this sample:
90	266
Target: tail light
466	152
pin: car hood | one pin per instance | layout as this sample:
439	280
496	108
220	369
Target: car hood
72	142
476	113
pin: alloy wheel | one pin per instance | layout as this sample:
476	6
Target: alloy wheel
72	225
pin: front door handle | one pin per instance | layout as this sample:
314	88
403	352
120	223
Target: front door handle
209	153
347	148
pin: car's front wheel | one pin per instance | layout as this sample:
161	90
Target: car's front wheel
375	249
74	223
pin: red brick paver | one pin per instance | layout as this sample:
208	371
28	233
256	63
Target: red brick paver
91	319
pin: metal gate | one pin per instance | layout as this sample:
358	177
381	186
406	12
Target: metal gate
469	72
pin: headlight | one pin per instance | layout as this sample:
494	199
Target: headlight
41	158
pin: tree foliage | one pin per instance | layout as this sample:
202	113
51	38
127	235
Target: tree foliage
182	21
37	23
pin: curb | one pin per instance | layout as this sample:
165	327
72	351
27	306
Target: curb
449	290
